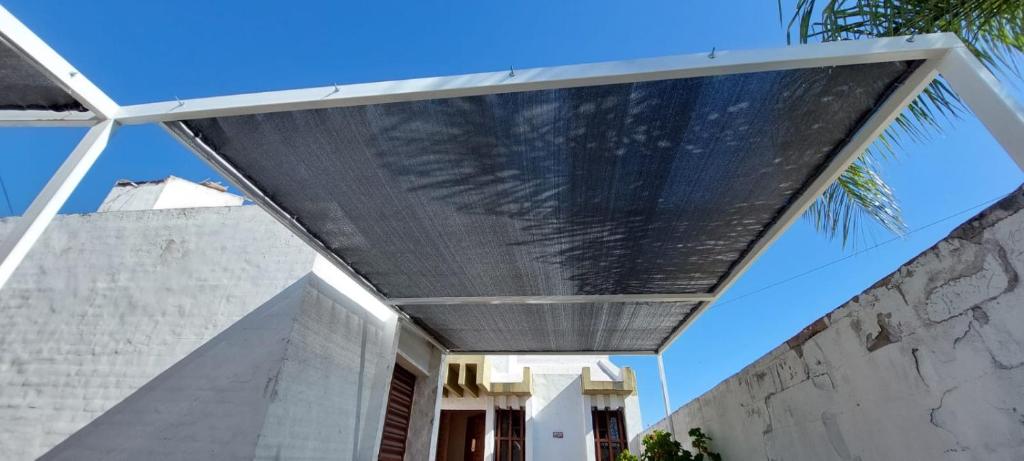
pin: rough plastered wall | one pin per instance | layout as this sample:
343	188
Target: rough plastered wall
924	365
107	301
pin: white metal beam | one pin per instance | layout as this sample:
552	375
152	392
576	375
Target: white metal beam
997	109
858	143
573	299
683	66
664	395
46	205
46	118
13	32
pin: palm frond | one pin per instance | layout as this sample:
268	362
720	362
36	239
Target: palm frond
858	193
992	29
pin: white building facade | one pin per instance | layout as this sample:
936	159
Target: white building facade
537	407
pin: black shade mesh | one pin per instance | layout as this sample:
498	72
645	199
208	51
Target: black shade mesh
653	187
24	87
645	188
581	327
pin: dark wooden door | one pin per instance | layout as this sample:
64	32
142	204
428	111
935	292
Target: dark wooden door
396	420
475	431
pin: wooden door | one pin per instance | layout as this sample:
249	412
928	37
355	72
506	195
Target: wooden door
475	431
396	420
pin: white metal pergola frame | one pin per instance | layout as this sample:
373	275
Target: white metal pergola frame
943	54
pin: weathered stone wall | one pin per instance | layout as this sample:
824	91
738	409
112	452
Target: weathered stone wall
924	365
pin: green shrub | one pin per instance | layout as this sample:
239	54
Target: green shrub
626	456
660	446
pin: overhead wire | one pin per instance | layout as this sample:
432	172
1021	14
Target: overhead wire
862	251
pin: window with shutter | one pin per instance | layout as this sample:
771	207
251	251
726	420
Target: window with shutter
396	420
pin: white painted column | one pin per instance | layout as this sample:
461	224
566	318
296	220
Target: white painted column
990	101
53	196
588	427
528	432
436	425
664	395
489	429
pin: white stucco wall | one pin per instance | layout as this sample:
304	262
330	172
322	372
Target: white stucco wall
559	406
171	192
122	330
105	302
182	193
925	365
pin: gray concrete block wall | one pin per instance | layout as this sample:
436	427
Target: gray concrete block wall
105	302
924	365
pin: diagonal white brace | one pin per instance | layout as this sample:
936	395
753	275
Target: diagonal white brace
46	205
990	101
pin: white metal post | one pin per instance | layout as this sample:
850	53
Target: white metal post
46	205
664	395
997	109
436	424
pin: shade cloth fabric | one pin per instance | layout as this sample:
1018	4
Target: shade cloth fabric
24	87
653	187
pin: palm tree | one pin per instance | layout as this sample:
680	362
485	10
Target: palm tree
992	29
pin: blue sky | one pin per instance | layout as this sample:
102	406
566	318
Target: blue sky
158	50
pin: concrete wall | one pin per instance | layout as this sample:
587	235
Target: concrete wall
924	365
107	301
192	334
170	192
302	377
327	398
